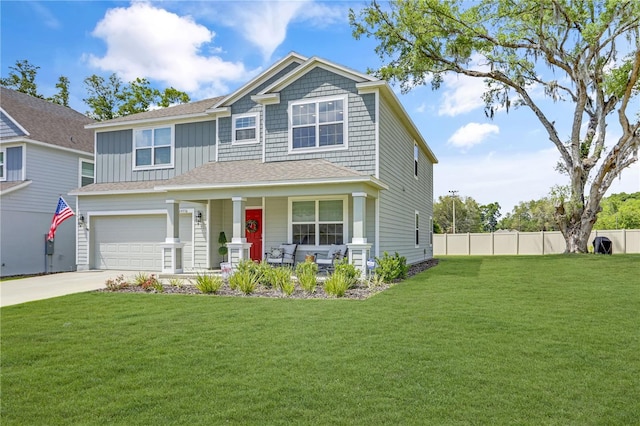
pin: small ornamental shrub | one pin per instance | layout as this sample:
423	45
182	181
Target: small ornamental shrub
116	284
391	267
263	272
337	284
151	283
282	280
176	282
140	278
243	280
307	276
349	271
208	283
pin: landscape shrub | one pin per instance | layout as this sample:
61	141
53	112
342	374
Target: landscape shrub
391	267
263	272
208	283
349	271
307	276
176	282
337	284
244	280
281	279
149	282
116	284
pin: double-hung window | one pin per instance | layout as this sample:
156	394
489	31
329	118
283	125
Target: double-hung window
417	229
246	128
318	222
416	154
3	175
86	172
318	124
153	148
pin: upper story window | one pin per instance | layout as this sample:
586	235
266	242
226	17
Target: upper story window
86	172
246	128
416	154
318	124
3	175
153	148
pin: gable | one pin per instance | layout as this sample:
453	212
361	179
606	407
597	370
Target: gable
9	128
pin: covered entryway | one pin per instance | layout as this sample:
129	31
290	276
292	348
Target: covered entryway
133	242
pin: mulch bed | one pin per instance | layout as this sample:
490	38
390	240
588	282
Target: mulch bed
362	291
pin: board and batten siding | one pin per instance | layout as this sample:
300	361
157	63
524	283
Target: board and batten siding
319	82
406	194
194	146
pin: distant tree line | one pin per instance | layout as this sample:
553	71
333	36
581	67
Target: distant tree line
619	211
107	98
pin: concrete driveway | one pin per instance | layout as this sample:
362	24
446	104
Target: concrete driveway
16	291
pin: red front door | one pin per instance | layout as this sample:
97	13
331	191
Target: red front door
253	231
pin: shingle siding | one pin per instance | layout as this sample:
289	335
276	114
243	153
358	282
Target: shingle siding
361	121
8	128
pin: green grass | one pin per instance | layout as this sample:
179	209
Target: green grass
488	340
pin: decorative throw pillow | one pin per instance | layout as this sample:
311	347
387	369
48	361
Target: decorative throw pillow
275	253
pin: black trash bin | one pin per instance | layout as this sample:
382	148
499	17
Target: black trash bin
602	245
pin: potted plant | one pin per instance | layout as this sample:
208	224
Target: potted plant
222	250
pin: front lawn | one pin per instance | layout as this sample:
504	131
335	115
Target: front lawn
475	340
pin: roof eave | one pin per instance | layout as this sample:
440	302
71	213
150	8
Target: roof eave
357	179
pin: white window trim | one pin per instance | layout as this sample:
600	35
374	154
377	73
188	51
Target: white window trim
416	159
153	167
233	129
416	235
3	178
430	231
345	123
84	160
345	217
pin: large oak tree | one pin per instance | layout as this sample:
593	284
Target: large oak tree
584	53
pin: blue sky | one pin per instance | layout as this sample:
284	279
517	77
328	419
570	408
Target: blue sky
210	48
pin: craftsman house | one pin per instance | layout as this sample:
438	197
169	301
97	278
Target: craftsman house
45	152
308	153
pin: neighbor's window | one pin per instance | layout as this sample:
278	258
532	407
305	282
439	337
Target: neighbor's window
317	222
86	172
415	159
430	231
245	128
153	147
318	124
2	174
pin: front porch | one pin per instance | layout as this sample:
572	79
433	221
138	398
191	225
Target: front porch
253	225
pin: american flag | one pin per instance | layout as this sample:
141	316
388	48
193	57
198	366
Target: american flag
63	212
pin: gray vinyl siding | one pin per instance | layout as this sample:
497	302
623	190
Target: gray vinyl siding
13	163
27	212
361	121
194	146
8	128
397	225
276	218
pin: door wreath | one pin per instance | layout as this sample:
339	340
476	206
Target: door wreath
252	226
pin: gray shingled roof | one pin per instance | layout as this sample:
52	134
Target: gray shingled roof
48	122
173	111
6	185
245	172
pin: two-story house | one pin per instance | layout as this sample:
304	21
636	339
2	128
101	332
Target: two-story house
308	152
45	152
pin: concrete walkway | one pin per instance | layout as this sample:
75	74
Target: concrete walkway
16	291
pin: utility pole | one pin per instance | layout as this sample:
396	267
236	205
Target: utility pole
454	194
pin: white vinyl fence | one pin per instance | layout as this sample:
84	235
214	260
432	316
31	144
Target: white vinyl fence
505	243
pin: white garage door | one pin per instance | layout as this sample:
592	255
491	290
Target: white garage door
132	243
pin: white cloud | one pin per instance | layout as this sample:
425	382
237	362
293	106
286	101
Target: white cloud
511	178
472	134
463	94
45	15
146	41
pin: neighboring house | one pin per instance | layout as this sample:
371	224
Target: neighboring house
45	152
308	152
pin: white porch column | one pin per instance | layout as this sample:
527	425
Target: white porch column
359	248
172	247
238	247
